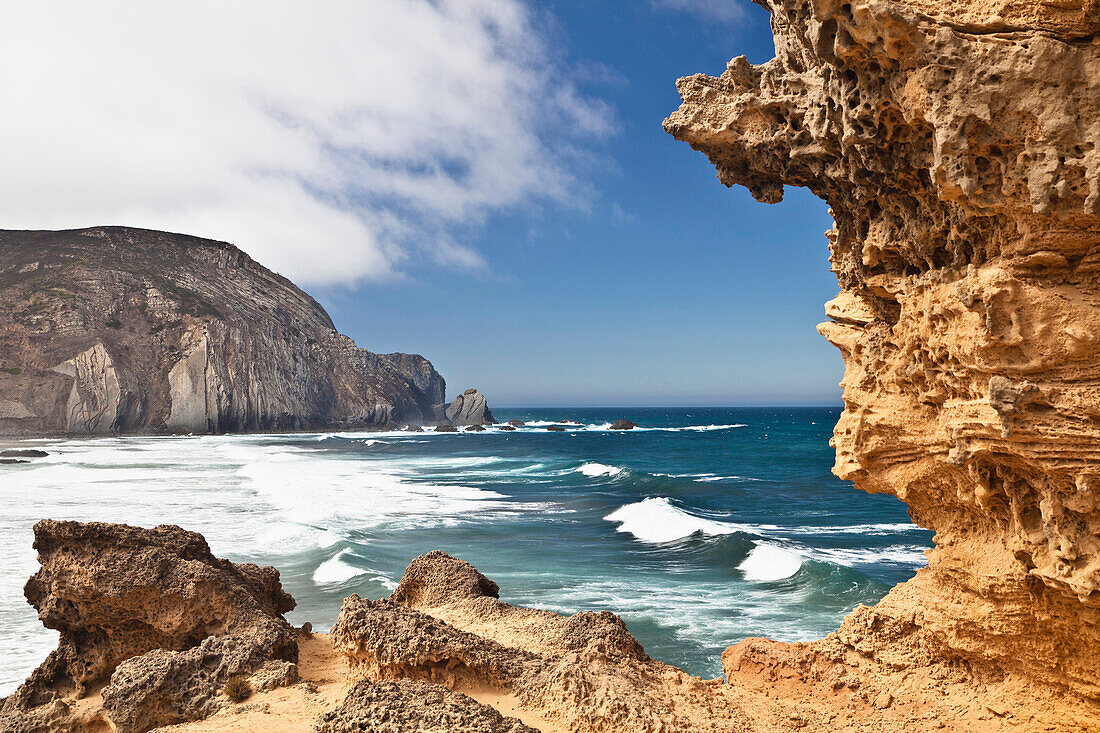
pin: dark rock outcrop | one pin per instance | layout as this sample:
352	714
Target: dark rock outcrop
556	428
469	408
404	706
623	425
23	453
422	375
446	429
150	612
120	330
516	423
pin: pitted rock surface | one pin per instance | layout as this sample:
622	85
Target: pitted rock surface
958	146
385	640
151	613
435	578
444	623
414	707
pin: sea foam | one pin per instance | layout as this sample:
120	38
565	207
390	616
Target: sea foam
599	469
656	519
768	562
336	570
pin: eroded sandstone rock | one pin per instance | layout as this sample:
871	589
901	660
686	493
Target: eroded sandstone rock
386	640
164	687
958	146
444	623
152	617
413	707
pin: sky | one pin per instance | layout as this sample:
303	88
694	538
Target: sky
485	182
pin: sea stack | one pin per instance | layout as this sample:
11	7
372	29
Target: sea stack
469	408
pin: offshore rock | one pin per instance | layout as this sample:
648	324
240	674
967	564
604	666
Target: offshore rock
120	330
151	613
958	146
469	408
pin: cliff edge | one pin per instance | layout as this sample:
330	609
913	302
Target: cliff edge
118	330
958	146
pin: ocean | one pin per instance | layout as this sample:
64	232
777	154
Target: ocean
701	527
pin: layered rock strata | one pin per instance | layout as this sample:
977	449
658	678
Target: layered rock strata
151	621
117	330
958	146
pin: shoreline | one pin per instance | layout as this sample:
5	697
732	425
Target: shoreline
556	490
445	626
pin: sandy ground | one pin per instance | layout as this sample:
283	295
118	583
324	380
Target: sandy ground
286	709
323	686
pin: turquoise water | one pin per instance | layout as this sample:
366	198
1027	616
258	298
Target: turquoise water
701	528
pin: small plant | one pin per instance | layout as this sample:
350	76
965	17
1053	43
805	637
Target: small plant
14	371
114	323
237	688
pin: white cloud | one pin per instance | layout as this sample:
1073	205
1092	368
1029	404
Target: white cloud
334	140
724	11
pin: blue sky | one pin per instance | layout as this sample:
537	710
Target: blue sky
668	289
485	182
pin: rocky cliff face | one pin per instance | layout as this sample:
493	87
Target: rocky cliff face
114	330
958	146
